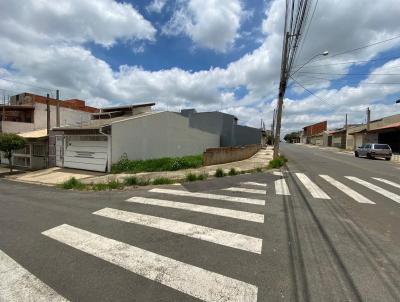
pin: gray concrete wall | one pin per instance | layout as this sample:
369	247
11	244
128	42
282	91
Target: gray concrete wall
164	134
247	135
224	155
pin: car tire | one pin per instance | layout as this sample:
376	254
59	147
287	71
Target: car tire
388	158
369	156
356	154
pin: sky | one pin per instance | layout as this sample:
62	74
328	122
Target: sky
205	54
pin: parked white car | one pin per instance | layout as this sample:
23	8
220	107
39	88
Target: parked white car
374	150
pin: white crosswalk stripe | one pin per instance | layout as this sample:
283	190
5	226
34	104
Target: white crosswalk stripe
251	183
237	241
186	278
210	196
387	182
314	190
375	188
245	190
254	217
17	284
348	191
281	187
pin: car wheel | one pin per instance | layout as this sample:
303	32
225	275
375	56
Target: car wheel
356	154
369	156
388	158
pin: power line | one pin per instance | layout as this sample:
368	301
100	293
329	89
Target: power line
359	48
30	85
353	62
309	91
351	74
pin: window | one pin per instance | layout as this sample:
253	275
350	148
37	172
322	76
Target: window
381	147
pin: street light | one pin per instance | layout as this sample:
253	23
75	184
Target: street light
398	101
325	53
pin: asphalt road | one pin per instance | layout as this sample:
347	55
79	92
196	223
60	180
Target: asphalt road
299	238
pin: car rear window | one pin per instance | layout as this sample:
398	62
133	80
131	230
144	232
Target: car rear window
381	146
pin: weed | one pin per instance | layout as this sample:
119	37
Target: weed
258	169
277	163
131	181
219	173
73	183
202	176
100	187
162	181
233	172
115	184
143	182
191	177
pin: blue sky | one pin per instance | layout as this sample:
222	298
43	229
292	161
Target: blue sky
206	54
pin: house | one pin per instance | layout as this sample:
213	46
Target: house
337	138
315	134
134	132
26	114
385	130
225	125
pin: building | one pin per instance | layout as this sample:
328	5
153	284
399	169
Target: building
225	125
385	130
315	134
337	138
26	114
134	132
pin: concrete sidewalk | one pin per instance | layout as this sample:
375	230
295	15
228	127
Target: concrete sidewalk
54	176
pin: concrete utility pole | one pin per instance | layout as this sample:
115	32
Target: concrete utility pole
273	127
281	95
368	118
58	108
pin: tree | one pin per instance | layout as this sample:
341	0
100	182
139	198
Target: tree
9	143
290	137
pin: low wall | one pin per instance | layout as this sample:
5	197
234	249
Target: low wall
214	156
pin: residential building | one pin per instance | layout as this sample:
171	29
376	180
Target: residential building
134	132
26	115
315	134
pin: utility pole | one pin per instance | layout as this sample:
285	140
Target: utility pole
368	118
282	89
48	113
273	128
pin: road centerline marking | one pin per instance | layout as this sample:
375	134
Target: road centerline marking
314	190
233	240
375	188
346	190
189	279
209	196
236	214
18	284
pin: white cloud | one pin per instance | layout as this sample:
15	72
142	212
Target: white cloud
212	24
72	21
156	6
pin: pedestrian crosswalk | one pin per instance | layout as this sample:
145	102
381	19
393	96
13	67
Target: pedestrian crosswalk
187	216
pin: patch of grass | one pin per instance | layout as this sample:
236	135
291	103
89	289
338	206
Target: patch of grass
130	181
115	184
278	162
233	172
191	177
143	182
73	183
194	177
157	165
99	187
162	181
219	173
258	169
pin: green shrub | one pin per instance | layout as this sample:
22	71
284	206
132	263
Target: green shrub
131	181
162	181
157	165
143	182
191	177
219	173
100	187
277	163
233	172
73	183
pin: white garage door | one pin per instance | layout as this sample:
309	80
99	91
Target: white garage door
86	152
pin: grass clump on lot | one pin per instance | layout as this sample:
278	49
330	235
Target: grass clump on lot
278	162
157	165
194	177
233	172
73	183
219	173
162	181
130	181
